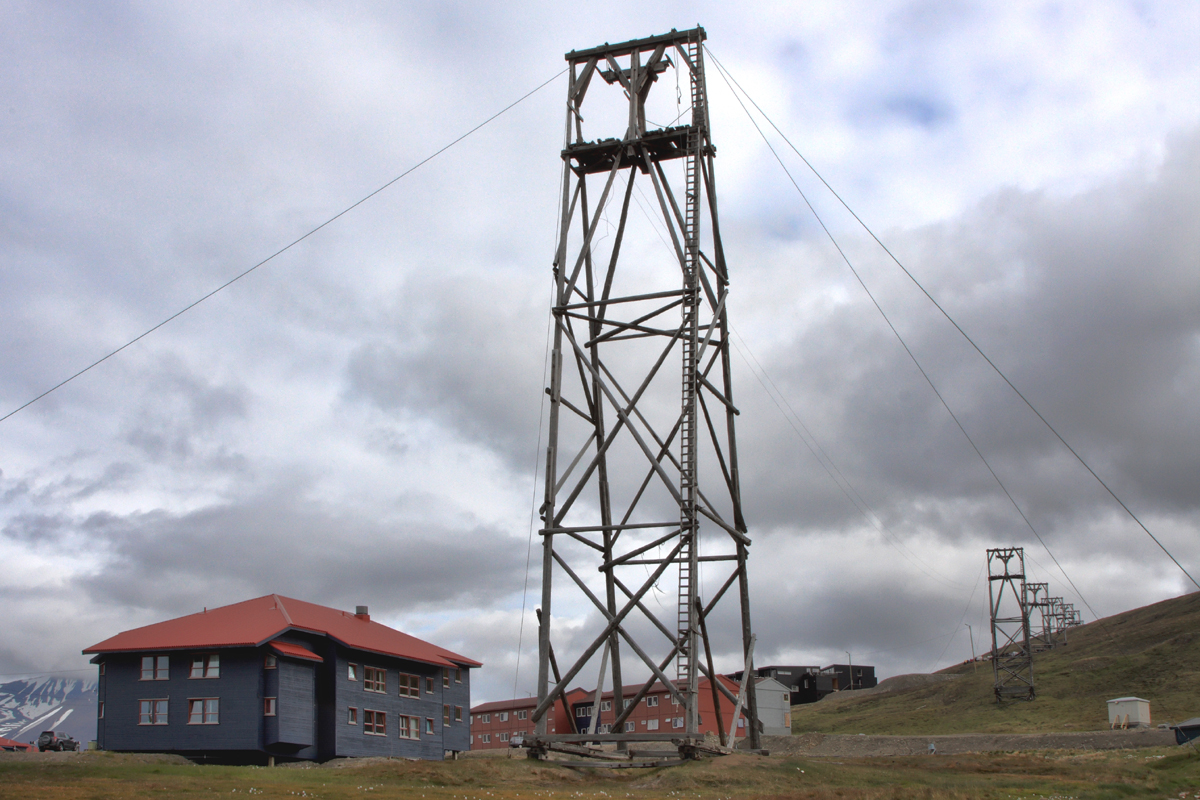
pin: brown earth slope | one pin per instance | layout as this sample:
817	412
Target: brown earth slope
1151	652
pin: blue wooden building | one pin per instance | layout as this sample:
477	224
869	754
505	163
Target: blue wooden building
276	677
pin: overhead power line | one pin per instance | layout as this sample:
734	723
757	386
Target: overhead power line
895	331
728	77
288	246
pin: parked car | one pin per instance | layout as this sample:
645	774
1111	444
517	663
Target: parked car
56	740
517	740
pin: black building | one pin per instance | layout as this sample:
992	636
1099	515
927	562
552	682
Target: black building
277	677
808	684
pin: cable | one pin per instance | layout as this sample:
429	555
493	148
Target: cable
961	621
946	314
864	509
537	455
911	355
284	249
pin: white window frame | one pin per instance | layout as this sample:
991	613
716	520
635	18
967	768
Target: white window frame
207	665
204	711
270	706
458	714
156	713
408	727
378	720
503	715
351	671
429	729
486	738
652	701
159	668
524	714
352	715
605	705
485	718
372	680
410	685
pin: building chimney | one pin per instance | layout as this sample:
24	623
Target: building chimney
360	612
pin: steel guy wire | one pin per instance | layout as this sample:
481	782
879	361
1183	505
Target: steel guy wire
287	247
896	332
728	77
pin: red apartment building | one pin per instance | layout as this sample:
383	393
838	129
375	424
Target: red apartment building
494	724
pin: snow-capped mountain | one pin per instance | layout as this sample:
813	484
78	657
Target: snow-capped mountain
48	702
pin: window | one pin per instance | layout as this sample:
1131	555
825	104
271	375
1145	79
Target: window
458	676
352	672
652	701
204	711
270	661
374	679
584	710
522	715
446	678
503	715
651	724
446	714
605	705
268	706
741	722
206	666
409	727
429	684
485	717
410	685
785	697
352	716
677	722
101	668
504	737
100	710
152	712
458	713
629	726
374	722
485	738
674	700
605	728
429	724
155	668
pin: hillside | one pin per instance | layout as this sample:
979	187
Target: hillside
1151	652
28	707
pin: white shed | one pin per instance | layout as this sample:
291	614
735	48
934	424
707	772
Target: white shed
774	706
1129	712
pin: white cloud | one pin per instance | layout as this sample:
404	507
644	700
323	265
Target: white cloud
1034	164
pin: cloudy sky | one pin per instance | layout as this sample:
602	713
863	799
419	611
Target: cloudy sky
356	422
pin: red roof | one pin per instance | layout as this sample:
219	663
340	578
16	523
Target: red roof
253	623
295	651
10	744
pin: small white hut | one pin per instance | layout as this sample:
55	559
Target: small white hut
1129	712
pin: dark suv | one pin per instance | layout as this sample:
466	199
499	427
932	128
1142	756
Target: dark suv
51	740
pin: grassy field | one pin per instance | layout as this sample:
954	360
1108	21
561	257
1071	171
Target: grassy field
1173	773
1151	652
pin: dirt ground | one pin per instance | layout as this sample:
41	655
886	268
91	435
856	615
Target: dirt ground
848	746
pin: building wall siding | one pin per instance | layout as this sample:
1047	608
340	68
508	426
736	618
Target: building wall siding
312	704
237	689
295	709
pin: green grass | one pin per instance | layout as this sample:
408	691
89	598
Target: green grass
996	776
1151	652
